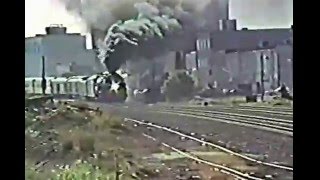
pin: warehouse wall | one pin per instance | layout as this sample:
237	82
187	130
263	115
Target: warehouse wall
58	49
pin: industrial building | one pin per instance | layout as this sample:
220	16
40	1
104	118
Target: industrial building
218	54
62	53
232	57
229	57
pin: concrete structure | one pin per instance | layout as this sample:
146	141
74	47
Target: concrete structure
219	52
63	53
230	58
233	57
215	11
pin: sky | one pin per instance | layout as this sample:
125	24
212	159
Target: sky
249	13
41	13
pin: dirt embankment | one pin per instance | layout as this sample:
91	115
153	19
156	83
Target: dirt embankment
72	142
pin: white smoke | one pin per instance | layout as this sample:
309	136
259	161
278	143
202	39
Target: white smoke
146	9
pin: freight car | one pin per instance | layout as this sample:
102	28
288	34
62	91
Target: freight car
104	87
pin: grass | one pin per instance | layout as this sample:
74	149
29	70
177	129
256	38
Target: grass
281	102
99	133
78	133
106	147
78	171
84	171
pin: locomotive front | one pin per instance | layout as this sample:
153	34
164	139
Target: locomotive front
110	87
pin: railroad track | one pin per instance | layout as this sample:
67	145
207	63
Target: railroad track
283	109
225	115
225	170
238	112
277	125
274	112
207	143
230	171
250	111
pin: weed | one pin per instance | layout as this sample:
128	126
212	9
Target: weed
281	102
108	122
84	171
83	142
67	146
178	87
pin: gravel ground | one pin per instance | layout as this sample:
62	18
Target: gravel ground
245	112
277	148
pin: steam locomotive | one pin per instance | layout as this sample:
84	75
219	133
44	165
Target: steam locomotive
102	87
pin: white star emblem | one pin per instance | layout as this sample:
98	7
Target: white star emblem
114	86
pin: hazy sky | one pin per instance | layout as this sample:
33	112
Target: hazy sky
41	13
249	13
262	13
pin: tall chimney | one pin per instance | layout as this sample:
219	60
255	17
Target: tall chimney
223	9
93	39
215	11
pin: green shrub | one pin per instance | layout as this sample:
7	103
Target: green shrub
84	171
178	87
108	122
83	142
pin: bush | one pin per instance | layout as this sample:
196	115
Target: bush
31	173
67	146
69	74
108	122
281	102
179	87
83	171
77	140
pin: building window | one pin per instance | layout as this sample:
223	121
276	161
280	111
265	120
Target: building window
203	44
77	87
208	44
198	44
58	88
66	89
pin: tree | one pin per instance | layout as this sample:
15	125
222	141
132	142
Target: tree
179	87
68	74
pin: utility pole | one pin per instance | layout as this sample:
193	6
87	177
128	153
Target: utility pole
44	81
262	75
291	45
279	69
263	45
153	88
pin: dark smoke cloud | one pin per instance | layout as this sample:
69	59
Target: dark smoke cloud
122	24
149	25
100	14
134	29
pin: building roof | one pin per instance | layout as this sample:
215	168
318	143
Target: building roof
37	36
245	40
